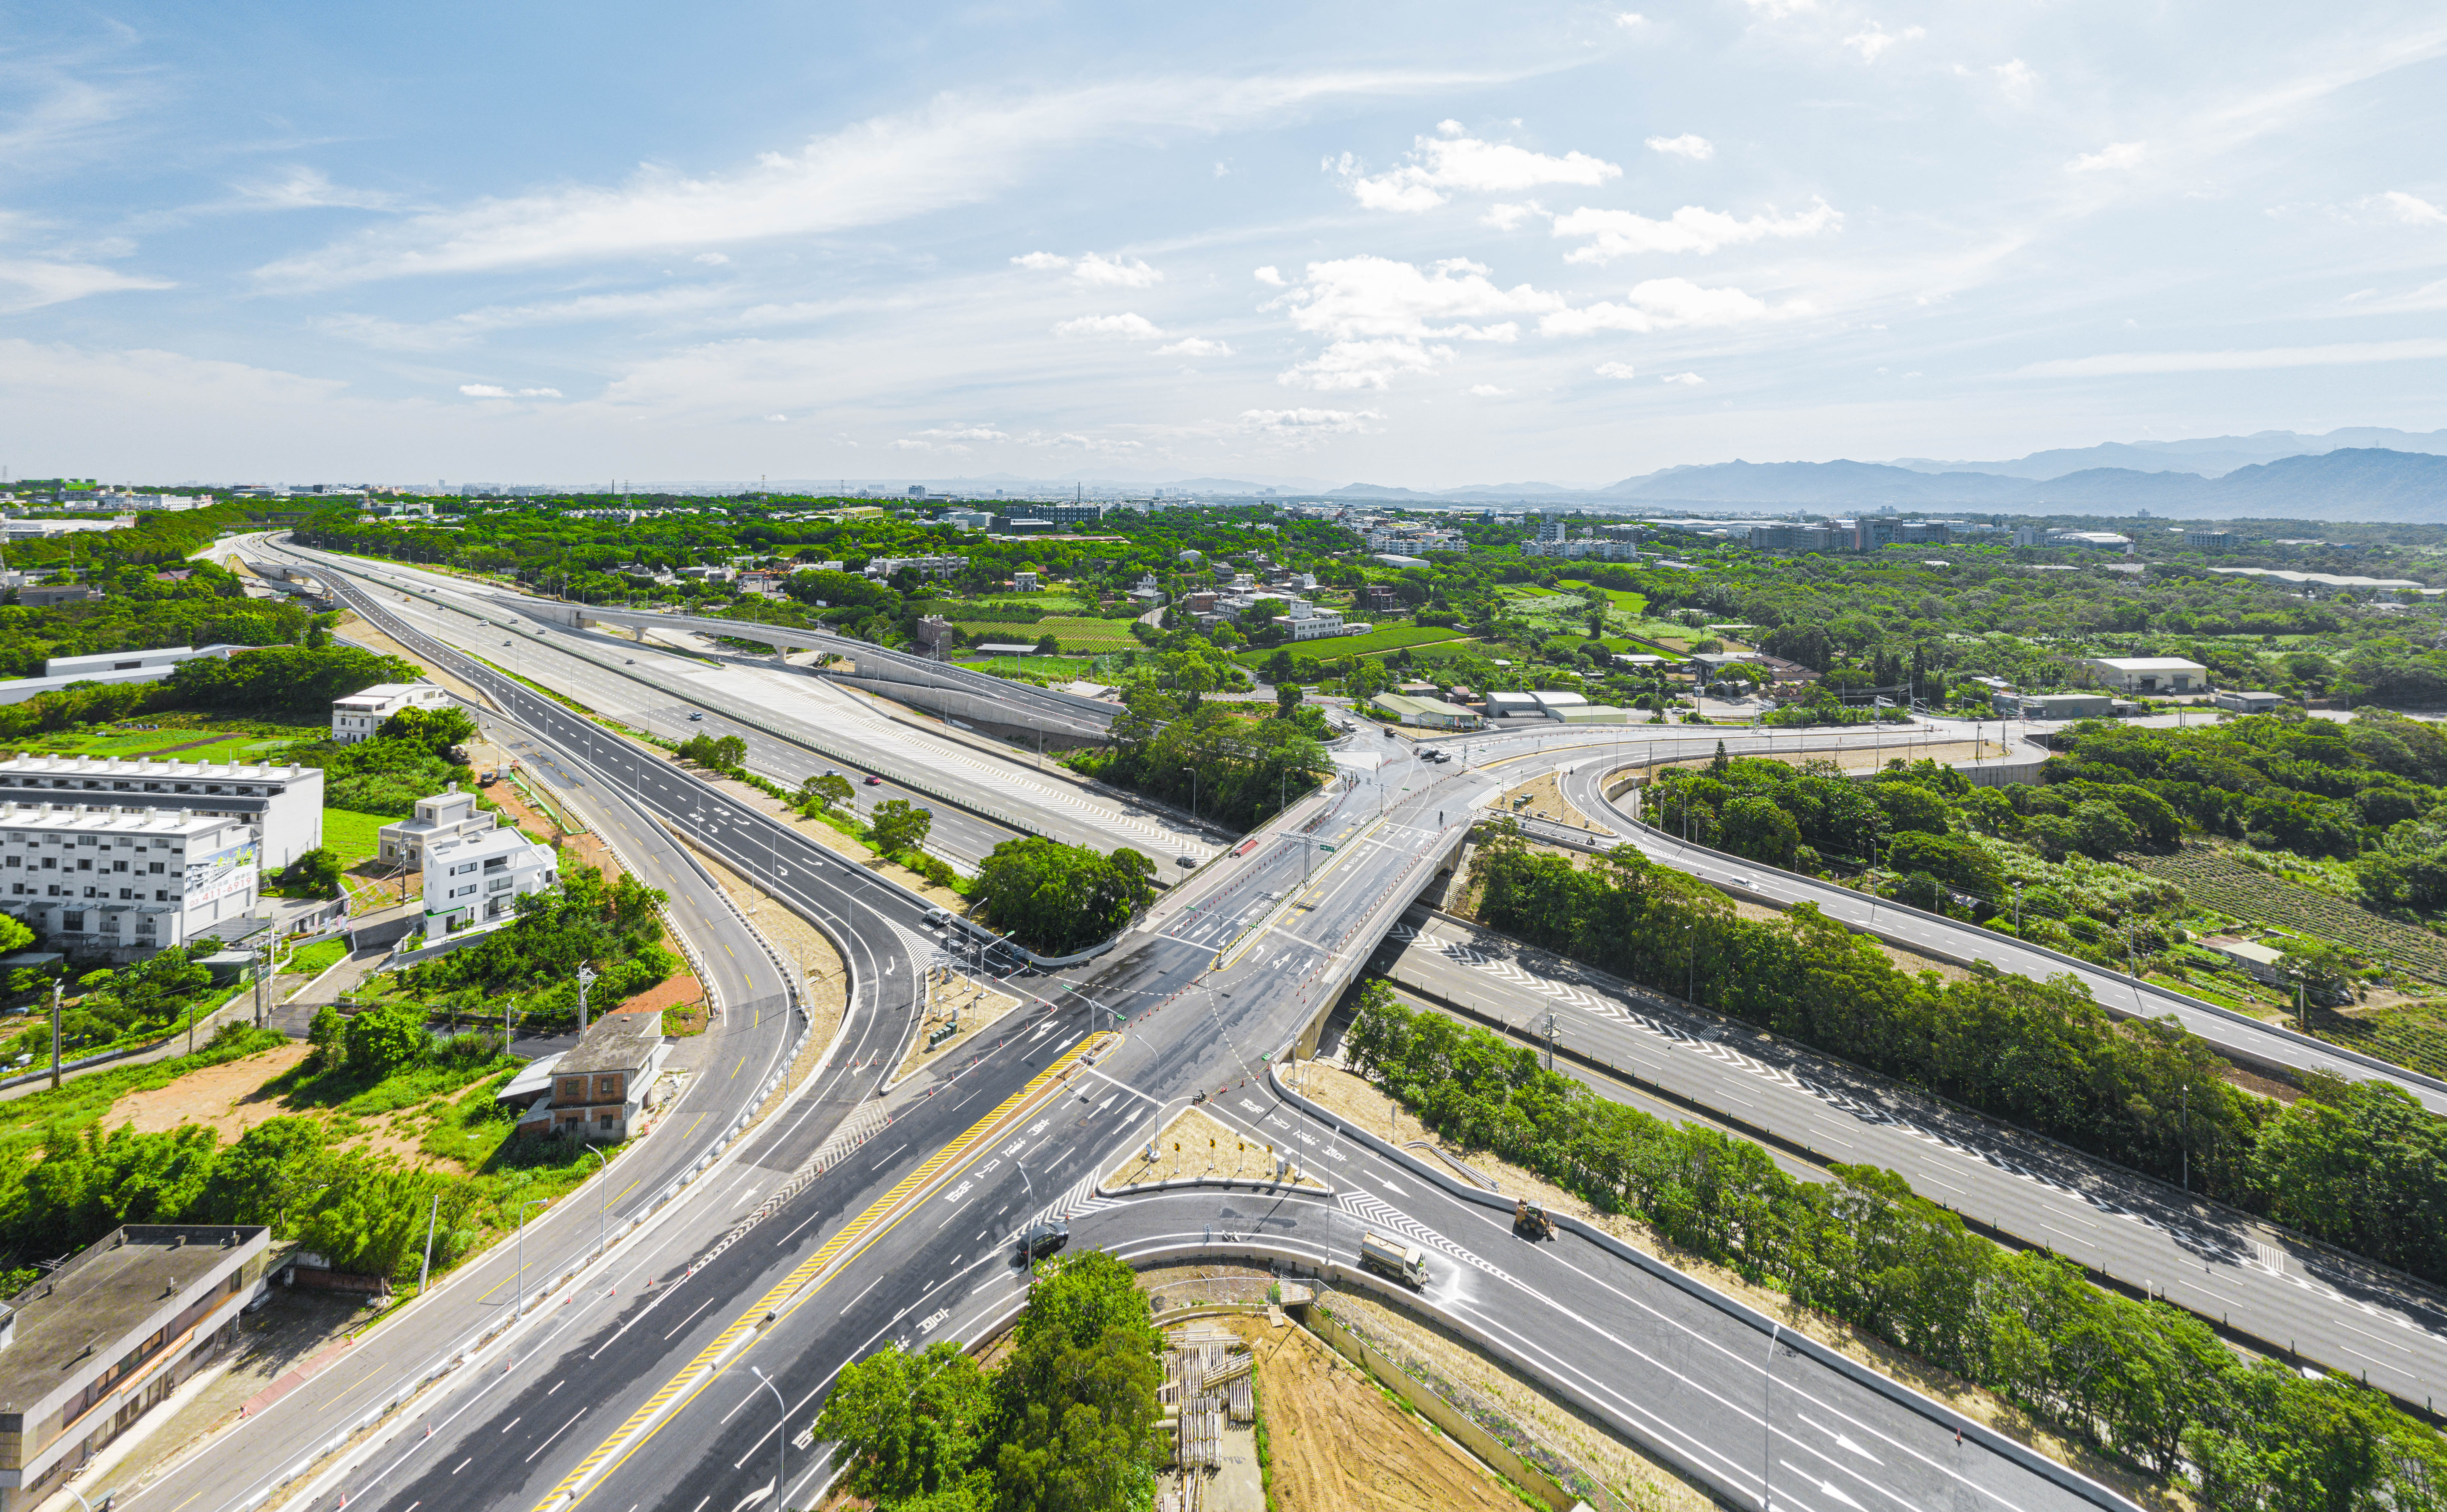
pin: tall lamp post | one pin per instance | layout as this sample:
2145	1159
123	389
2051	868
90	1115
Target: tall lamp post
519	1303
602	1194
781	1435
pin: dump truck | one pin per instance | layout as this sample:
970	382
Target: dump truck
1530	1222
1406	1263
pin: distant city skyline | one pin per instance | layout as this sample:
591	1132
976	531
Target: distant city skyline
1420	249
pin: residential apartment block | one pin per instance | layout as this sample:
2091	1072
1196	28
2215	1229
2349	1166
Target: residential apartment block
283	803
122	884
108	1338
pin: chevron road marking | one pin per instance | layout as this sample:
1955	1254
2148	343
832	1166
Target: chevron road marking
796	1287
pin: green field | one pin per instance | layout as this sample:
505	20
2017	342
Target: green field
1088	635
1625	602
1393	637
351	835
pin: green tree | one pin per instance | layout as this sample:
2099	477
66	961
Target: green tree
382	1039
1056	897
1755	826
900	826
827	790
911	1426
316	874
1077	1403
328	1033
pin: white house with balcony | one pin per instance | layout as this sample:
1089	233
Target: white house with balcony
475	868
1307	622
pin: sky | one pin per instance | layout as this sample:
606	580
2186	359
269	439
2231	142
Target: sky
1423	245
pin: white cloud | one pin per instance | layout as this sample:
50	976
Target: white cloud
1503	217
1778	9
1379	317
2123	364
471	326
1621	234
1488	390
1697	148
957	150
1668	304
711	259
1630	20
496	392
1686	380
778	419
2115	155
1095	268
1269	275
2014	79
949	438
1877	39
309	189
1132	327
1617	370
1442	166
2412	211
1194	347
28	283
1121	273
1301	427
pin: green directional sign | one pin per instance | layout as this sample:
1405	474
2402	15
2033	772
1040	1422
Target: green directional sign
1328	849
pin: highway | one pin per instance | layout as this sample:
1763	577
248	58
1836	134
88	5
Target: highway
796	723
2259	1280
643	1390
749	1044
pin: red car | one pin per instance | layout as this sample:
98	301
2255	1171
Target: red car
875	782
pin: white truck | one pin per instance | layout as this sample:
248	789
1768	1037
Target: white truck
1406	1263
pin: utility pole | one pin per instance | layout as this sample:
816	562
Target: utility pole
55	1033
586	978
1550	1039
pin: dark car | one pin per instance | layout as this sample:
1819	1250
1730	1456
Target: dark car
1044	1238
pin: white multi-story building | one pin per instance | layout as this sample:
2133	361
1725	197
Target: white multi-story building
1308	622
447	815
472	874
121	883
284	805
359	715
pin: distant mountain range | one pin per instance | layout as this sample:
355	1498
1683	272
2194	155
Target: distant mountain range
2210	455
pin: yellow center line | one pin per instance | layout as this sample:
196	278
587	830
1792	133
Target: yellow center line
867	1226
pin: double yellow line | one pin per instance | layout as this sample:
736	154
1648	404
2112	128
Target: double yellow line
868	1226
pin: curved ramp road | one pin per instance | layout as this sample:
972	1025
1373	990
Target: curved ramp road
2269	1286
2246	1040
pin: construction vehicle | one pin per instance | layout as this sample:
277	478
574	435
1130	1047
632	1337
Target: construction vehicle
1406	1263
1530	1222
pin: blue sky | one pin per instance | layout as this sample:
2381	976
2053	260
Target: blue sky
1422	244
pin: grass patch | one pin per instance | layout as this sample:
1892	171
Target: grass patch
1625	602
319	957
1101	635
1062	667
1393	637
351	835
80	1102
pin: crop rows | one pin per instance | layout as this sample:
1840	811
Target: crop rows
2212	880
2415	1045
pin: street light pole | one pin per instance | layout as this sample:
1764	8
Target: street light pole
781	1436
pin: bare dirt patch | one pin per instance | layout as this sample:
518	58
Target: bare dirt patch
1339	1444
1193	1144
1360	1100
229	1098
